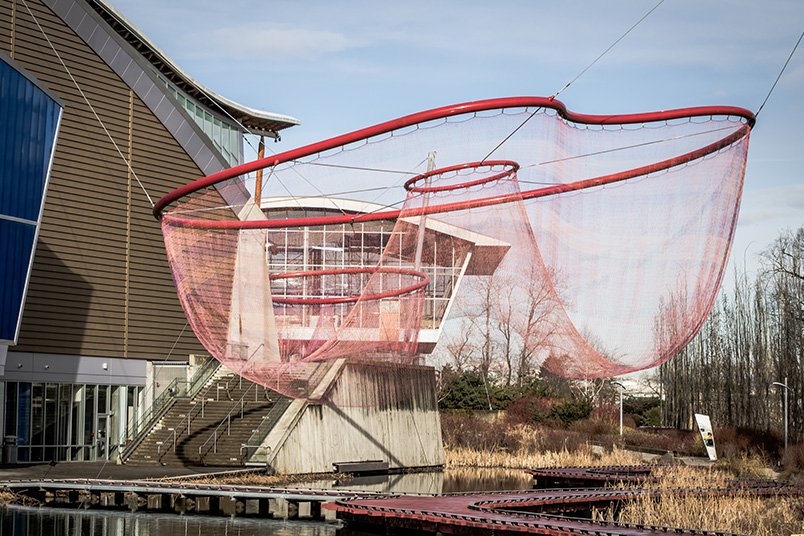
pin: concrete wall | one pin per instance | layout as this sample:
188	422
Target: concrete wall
403	429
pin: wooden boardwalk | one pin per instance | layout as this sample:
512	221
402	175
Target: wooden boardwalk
549	511
554	511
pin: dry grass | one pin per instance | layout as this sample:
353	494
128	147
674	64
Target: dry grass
525	447
740	513
9	497
262	479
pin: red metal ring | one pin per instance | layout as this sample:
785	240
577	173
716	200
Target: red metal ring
351	299
428	189
441	113
391	215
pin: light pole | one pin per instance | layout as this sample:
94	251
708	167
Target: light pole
621	405
786	389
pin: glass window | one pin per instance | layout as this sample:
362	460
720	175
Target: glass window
208	124
37	413
51	400
65	397
234	146
225	141
77	413
103	399
131	413
23	413
89	415
216	132
11	408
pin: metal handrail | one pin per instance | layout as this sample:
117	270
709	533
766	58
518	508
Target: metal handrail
262	431
228	420
188	418
177	388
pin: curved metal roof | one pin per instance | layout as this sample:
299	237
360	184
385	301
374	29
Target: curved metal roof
257	121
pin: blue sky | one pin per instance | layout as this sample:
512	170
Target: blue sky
340	66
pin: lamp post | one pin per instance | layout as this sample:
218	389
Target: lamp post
786	389
621	405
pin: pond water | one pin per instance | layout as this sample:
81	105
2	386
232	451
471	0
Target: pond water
455	480
43	521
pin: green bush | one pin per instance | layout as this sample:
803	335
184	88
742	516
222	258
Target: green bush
467	391
470	391
572	410
645	411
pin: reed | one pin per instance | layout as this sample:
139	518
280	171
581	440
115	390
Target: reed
527	447
740	513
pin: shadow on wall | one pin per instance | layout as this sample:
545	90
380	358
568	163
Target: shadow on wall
57	310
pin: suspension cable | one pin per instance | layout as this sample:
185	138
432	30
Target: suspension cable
89	104
605	51
780	74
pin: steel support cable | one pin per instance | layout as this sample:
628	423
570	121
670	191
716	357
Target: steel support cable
521	181
607	50
442	113
780	73
476	203
89	104
111	139
576	77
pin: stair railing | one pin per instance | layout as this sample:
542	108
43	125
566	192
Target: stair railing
188	417
228	421
269	420
177	388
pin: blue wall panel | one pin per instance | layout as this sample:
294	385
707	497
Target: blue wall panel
29	121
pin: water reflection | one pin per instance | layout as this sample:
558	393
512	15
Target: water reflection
461	479
423	483
454	480
28	521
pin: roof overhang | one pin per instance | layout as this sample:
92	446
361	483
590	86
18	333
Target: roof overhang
254	121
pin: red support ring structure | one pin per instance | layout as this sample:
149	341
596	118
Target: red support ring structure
473	203
443	113
425	279
409	185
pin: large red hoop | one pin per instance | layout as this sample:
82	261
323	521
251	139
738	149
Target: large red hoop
445	112
409	185
351	299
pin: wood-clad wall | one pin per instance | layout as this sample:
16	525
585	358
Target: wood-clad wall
100	285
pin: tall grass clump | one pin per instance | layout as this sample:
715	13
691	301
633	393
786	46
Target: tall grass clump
740	513
469	441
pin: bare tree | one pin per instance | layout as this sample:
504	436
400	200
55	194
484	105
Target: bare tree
753	337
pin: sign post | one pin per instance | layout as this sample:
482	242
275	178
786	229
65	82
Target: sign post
705	428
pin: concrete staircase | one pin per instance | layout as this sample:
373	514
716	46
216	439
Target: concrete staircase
209	429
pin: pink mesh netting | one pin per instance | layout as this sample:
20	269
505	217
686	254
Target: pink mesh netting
600	240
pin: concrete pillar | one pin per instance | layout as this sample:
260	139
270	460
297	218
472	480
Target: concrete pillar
155	501
305	510
278	508
329	515
252	507
135	502
202	504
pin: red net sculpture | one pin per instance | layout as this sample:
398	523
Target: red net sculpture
599	242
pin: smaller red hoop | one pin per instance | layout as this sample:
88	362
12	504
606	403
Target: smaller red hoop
513	167
351	299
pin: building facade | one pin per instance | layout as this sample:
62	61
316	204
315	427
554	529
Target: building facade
101	327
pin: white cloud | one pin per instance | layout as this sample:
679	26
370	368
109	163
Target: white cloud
272	44
782	206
